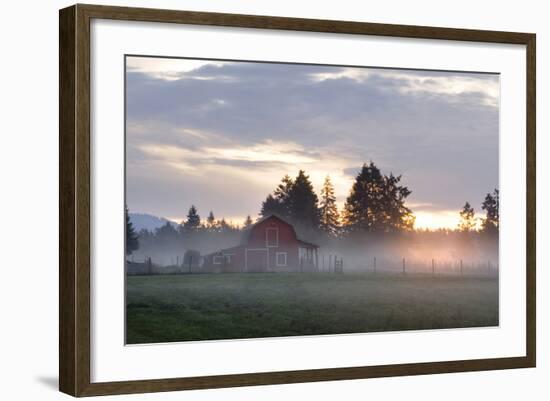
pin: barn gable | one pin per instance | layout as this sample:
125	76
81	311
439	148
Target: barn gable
265	222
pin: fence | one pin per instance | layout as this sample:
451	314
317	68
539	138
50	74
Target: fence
432	266
146	266
330	263
334	263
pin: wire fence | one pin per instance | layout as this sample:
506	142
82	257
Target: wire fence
427	266
337	264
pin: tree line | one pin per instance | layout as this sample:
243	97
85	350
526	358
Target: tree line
376	204
192	230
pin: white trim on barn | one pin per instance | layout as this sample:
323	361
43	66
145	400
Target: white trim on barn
228	257
277	254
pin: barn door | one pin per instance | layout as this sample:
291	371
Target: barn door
256	260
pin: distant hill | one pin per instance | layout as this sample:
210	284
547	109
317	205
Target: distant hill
148	221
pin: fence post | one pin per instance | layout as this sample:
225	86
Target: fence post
433	266
403	265
461	267
375	264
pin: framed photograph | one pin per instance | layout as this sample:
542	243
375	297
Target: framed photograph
250	200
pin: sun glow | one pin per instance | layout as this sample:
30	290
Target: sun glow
444	219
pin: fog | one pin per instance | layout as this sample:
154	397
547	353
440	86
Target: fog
171	251
441	251
421	251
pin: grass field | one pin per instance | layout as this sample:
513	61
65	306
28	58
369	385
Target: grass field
222	306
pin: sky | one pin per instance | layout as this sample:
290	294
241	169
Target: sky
221	135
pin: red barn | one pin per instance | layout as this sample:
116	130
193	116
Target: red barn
270	245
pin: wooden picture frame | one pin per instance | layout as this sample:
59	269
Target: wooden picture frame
75	206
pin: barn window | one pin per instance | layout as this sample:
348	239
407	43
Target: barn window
272	237
227	259
217	259
280	258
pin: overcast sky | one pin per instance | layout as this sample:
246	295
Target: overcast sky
220	135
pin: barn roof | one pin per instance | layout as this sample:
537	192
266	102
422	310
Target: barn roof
225	251
246	233
306	244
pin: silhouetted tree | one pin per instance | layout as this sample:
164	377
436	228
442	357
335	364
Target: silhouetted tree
362	207
211	222
377	203
278	202
329	216
166	234
247	223
467	219
490	224
193	222
282	195
224	226
272	206
145	238
303	204
132	243
397	217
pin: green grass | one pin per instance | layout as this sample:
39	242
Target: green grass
223	306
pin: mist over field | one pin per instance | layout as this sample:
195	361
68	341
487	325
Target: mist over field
423	251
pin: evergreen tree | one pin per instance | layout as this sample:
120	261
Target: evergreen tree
247	223
224	227
132	243
363	203
282	195
467	219
303	204
211	222
397	217
329	217
278	202
181	229
193	222
145	238
166	234
271	206
376	203
490	223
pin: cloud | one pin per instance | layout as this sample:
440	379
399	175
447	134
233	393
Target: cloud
269	152
254	122
169	69
484	86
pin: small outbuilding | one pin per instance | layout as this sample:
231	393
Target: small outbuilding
270	245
